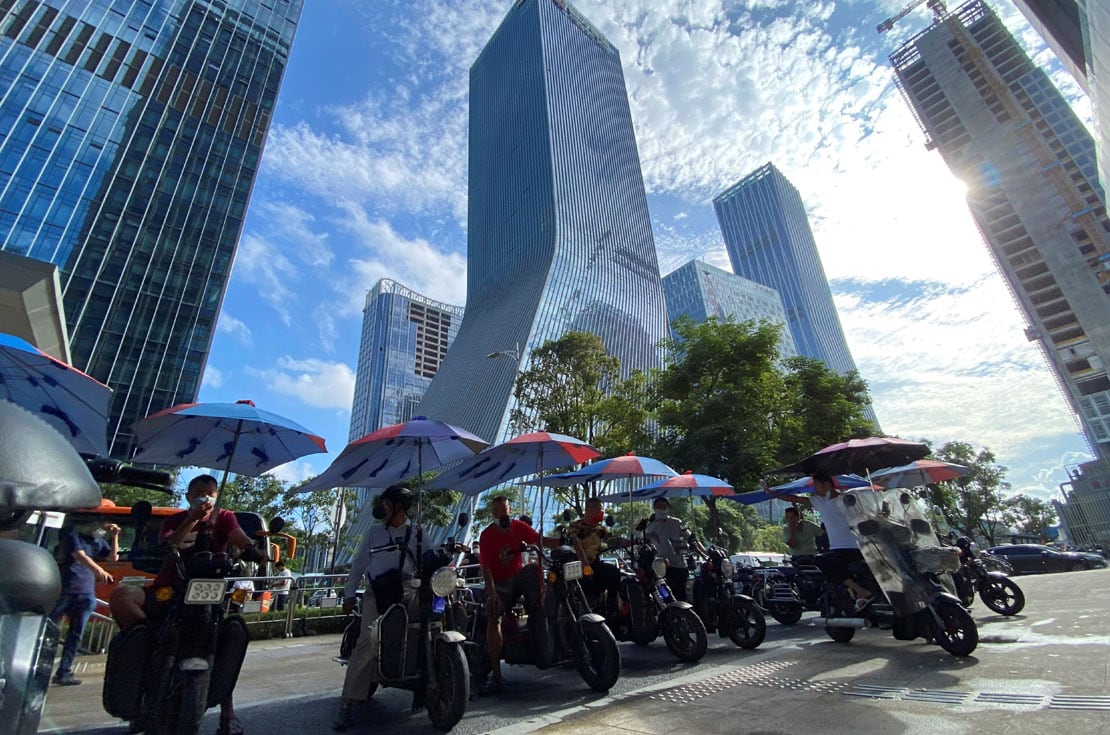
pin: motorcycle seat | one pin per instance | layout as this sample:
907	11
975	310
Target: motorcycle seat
29	579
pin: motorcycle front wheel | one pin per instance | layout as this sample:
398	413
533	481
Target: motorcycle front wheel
956	631
596	656
685	636
181	711
749	627
452	677
1003	596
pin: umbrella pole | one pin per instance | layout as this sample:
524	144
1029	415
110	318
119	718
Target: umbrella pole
419	500
227	468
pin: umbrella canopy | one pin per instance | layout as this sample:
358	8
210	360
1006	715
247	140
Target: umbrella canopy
921	472
234	437
799	487
685	485
59	394
859	456
528	454
628	466
396	453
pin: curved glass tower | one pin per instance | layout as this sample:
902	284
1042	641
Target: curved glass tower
559	236
130	138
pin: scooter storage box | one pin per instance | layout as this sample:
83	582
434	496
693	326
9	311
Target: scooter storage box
393	643
231	649
123	674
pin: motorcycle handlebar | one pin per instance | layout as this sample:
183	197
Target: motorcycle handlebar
111	470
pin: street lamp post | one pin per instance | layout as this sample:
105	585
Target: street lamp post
513	353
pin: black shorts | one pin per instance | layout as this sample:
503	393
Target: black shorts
524	584
837	564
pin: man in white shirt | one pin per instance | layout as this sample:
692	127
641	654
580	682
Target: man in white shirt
388	546
843	549
282	586
667	533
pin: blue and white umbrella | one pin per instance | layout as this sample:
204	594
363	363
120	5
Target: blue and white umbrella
798	487
60	394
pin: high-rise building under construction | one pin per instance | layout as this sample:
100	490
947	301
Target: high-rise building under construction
1032	187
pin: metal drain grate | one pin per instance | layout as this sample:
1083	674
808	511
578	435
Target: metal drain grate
1028	700
937	696
875	692
1069	701
755	675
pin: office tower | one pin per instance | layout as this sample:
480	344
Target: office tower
1085	512
405	337
130	137
701	291
1029	168
1079	32
767	235
559	237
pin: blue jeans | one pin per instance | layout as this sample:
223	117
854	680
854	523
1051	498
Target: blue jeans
77	607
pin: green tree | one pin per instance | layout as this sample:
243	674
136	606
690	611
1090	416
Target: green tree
820	407
126	496
769	538
265	495
971	504
1029	515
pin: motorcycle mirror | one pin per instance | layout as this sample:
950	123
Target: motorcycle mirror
641	525
610	521
568	515
276	524
141	512
463	520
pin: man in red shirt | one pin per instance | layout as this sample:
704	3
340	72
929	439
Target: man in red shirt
507	578
131	605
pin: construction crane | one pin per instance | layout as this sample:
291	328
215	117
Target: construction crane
1082	213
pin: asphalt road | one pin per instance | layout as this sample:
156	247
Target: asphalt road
1025	672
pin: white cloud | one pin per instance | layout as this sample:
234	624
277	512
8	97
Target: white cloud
238	329
213	378
293	473
261	263
314	382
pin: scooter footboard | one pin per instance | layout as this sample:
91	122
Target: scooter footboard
124	672
231	649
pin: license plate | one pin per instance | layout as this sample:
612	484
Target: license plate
439	604
205	592
572	570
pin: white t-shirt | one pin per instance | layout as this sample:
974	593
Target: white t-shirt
836	525
281	586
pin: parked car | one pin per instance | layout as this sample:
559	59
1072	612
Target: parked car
757	559
1035	559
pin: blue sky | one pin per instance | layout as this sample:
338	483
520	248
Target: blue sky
364	177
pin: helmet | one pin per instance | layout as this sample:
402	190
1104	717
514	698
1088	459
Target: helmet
399	495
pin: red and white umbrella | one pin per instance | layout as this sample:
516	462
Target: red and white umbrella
918	473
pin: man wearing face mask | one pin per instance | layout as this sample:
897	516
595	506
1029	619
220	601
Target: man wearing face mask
387	557
587	535
199	528
78	556
507	577
666	532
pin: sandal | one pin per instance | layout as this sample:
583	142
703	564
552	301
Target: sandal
863	602
230	726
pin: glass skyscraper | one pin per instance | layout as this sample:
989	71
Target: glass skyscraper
130	137
700	291
769	241
559	236
1029	166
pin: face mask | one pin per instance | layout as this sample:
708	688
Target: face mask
504	522
100	533
597	517
660	515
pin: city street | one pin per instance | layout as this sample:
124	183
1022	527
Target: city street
1043	671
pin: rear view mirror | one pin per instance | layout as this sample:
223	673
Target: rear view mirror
141	512
610	521
568	515
276	524
463	520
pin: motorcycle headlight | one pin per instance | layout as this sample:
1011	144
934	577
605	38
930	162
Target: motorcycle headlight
443	581
727	569
659	566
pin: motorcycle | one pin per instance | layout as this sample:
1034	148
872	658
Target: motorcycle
997	591
163	674
907	572
39	470
420	640
721	608
563	631
649	609
779	591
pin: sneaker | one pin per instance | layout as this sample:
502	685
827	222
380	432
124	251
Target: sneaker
344	719
66	680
